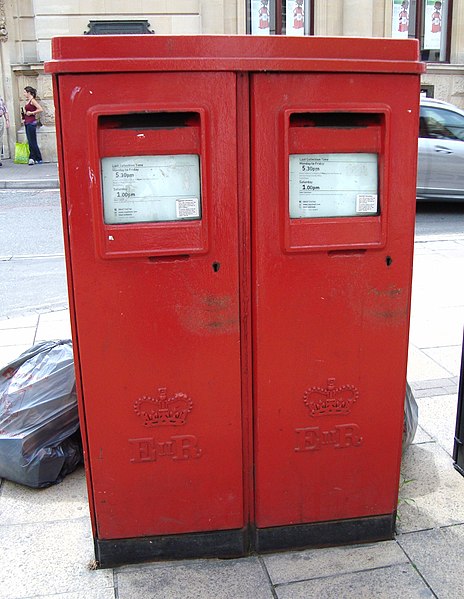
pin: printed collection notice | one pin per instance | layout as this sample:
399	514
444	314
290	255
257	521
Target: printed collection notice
139	189
329	185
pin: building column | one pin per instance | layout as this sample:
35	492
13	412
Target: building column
6	91
457	33
358	18
328	17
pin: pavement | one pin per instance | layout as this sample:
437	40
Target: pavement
46	539
23	176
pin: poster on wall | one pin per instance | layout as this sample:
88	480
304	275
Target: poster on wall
295	24
260	17
433	24
400	18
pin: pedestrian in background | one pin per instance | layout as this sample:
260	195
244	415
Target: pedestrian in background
29	115
4	120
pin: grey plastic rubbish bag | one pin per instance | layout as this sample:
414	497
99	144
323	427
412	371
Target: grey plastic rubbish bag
411	417
39	426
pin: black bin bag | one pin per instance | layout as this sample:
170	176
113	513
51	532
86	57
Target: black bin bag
39	426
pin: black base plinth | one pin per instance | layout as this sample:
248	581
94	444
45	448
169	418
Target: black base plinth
220	544
325	534
238	543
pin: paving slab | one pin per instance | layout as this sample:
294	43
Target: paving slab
435	283
447	245
23	505
88	594
434	388
19	322
448	358
434	495
196	579
383	583
54	325
422	366
422	436
23	336
422	248
439	557
40	286
296	566
45	559
11	352
442	327
438	418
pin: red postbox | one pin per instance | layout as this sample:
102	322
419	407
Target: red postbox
239	220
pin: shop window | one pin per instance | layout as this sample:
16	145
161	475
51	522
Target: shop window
427	20
280	17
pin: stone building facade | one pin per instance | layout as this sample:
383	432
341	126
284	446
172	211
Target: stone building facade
27	27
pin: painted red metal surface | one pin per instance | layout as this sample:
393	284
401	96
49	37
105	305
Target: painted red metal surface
213	356
157	326
232	53
331	304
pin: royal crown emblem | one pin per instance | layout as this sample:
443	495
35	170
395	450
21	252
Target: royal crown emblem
164	410
331	399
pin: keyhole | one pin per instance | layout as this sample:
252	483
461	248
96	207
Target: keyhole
216	266
388	260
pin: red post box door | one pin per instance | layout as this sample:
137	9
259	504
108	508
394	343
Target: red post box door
152	221
332	257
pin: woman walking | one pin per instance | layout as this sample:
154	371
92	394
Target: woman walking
31	110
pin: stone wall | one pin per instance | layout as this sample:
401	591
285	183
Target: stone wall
27	27
448	83
33	24
68	17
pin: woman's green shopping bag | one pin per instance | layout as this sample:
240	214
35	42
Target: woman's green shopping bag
21	153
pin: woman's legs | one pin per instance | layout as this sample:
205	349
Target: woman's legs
31	134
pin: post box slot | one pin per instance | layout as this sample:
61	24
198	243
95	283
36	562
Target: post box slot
150	120
338	120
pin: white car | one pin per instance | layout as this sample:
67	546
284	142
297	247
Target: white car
440	171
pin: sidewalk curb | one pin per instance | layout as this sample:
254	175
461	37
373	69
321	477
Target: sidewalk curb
29	177
46	309
30	184
426	237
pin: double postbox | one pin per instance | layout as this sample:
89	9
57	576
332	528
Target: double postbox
239	219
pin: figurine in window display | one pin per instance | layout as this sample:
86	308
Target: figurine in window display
404	17
264	15
436	18
298	15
